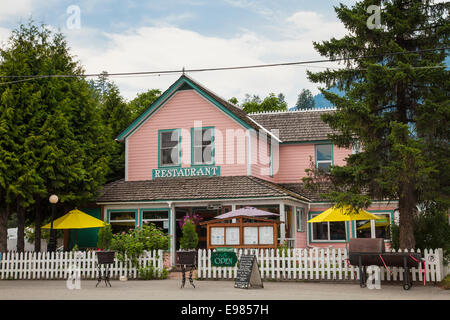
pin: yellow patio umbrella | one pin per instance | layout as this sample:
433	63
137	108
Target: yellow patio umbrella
76	219
343	214
366	225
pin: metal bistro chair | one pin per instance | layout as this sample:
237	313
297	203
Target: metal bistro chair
105	259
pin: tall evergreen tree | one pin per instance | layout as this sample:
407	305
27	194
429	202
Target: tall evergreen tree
52	138
395	103
305	100
116	115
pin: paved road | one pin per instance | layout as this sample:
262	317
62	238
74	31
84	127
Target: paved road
207	290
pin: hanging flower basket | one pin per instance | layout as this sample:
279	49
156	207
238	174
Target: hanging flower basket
105	257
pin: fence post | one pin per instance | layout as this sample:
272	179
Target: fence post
302	264
439	264
209	263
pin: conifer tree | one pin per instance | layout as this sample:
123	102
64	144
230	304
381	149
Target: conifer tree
305	100
52	137
395	104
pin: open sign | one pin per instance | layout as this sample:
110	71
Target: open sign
223	259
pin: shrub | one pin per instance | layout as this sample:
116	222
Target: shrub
105	236
189	240
284	247
150	273
132	244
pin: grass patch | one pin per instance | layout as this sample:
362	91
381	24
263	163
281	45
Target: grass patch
445	284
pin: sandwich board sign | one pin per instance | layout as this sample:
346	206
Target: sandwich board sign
248	275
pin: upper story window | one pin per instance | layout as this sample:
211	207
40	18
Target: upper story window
324	156
169	147
270	160
202	145
356	147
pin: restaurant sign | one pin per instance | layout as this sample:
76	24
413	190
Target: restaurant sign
200	171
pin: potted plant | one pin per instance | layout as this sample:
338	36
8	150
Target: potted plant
104	255
188	242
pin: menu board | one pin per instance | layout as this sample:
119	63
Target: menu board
248	273
250	235
217	236
266	235
232	236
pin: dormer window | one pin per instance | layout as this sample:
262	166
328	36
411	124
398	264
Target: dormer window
202	146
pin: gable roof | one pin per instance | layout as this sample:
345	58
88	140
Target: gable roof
184	82
293	126
296	126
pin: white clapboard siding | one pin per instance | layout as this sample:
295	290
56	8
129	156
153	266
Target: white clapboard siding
59	265
319	264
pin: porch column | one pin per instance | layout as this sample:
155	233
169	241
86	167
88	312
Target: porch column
173	232
283	222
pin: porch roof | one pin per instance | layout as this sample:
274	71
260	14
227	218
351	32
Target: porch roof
312	194
204	188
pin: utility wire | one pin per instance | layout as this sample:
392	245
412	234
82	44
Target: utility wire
165	72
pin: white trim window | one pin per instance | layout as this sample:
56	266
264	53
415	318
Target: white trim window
160	218
324	156
169	147
328	231
122	221
374	228
301	220
202	146
356	147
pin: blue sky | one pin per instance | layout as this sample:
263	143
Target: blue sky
131	35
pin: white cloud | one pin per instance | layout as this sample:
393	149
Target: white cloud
10	9
167	47
311	25
170	48
5	33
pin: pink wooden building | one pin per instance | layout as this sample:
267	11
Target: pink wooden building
193	152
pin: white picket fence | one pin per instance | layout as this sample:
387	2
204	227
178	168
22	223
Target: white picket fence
316	264
59	265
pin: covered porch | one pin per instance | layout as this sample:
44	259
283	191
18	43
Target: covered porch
168	216
214	196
